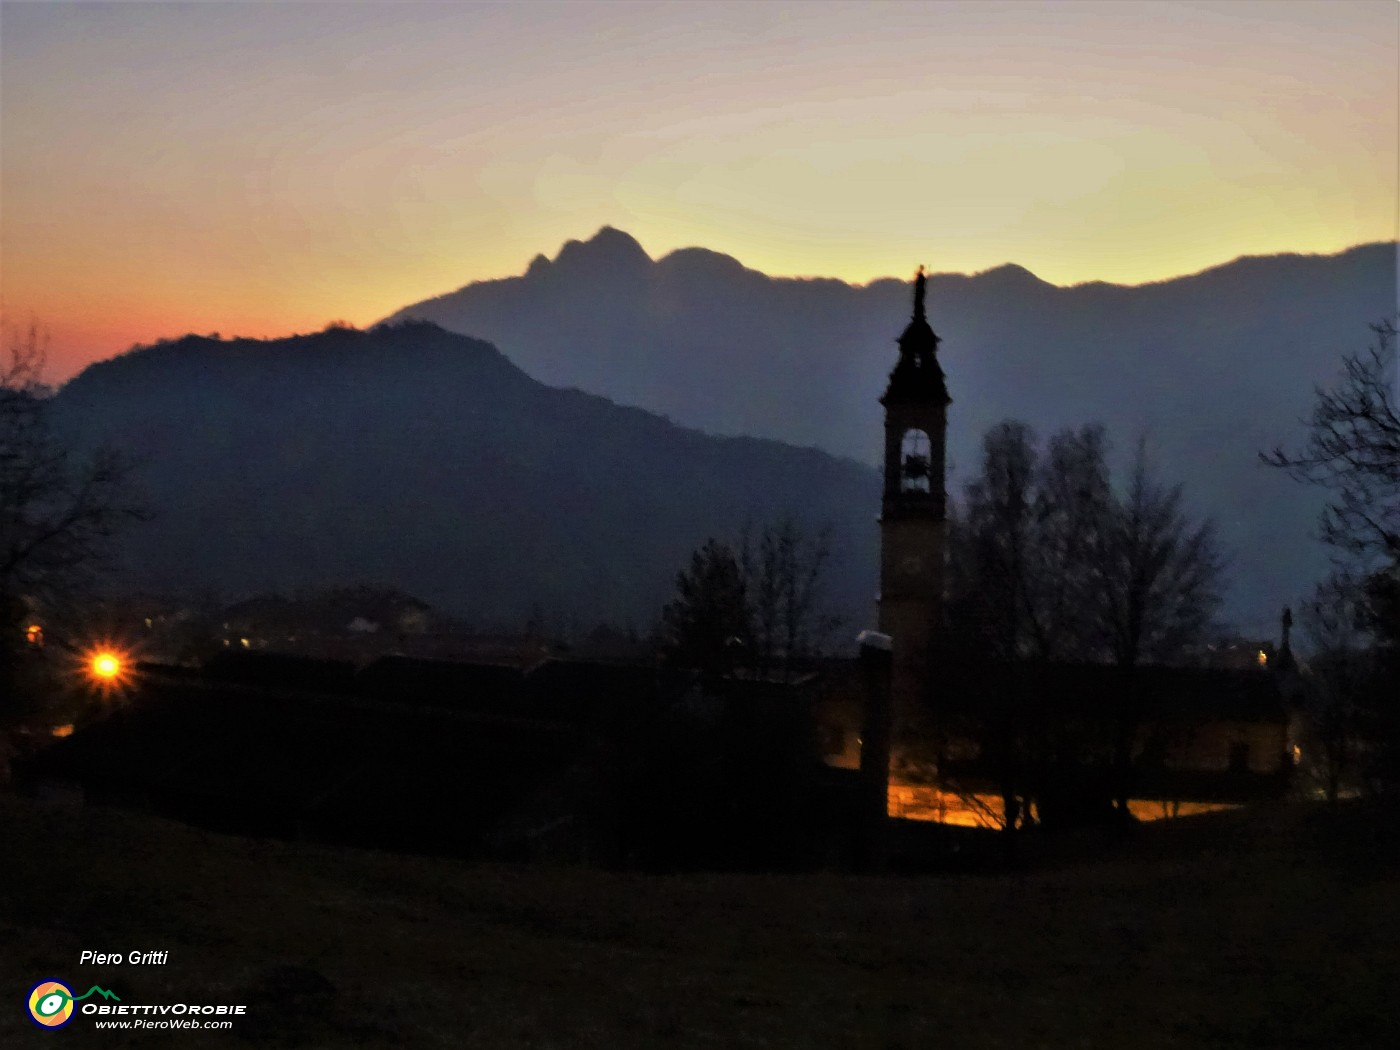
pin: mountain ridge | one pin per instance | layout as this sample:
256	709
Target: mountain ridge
1211	366
541	261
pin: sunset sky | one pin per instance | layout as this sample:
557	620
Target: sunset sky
258	169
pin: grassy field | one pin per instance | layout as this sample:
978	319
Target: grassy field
1279	928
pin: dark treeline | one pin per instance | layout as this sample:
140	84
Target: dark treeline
1050	562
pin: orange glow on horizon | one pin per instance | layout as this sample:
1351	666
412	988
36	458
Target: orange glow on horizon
79	334
347	165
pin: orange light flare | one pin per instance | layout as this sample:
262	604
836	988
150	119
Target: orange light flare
108	668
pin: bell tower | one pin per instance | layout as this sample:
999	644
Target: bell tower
912	511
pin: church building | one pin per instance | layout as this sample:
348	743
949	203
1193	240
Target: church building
1206	737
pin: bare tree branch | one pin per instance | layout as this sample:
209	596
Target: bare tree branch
58	510
1353	450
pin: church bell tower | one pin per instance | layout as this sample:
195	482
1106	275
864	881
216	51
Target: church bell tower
912	511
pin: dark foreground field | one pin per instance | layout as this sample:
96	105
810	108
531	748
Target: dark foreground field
1277	929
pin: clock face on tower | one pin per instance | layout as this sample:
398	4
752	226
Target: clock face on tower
911	564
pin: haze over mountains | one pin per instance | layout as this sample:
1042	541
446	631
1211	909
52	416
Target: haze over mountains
413	457
1212	367
434	462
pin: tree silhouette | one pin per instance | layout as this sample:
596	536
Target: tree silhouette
58	510
762	606
709	622
1353	450
1048	563
1159	582
784	572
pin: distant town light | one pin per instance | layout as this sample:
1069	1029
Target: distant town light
1263	658
61	731
34	634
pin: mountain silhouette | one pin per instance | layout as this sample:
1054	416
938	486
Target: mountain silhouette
1212	367
416	458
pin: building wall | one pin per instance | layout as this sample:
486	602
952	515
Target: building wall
1215	747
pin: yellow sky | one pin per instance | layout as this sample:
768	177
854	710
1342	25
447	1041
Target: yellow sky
259	169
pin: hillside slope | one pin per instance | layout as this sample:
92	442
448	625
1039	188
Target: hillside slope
416	458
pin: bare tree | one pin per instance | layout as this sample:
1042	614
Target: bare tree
997	537
1022	576
1026	551
1074	519
785	569
1160	574
761	602
1353	450
1338	676
58	510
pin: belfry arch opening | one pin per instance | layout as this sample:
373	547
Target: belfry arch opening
915	463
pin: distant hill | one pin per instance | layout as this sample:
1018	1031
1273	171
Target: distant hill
1213	366
416	458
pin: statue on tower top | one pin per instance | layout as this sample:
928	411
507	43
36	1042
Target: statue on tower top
917	375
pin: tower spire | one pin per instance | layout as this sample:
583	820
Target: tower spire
916	375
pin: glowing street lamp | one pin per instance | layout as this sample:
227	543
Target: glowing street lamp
106	666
